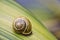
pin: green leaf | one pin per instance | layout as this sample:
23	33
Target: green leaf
9	10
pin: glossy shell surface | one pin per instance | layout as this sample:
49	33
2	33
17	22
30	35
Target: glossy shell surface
22	25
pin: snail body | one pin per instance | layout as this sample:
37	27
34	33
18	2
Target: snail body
22	25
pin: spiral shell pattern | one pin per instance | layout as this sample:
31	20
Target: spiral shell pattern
22	25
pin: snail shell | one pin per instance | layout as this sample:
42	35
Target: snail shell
22	25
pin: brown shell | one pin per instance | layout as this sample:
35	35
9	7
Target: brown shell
22	25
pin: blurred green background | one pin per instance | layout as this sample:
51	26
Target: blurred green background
45	11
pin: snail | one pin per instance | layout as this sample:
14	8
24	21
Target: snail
22	25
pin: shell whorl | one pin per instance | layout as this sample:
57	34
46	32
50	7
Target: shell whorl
22	25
